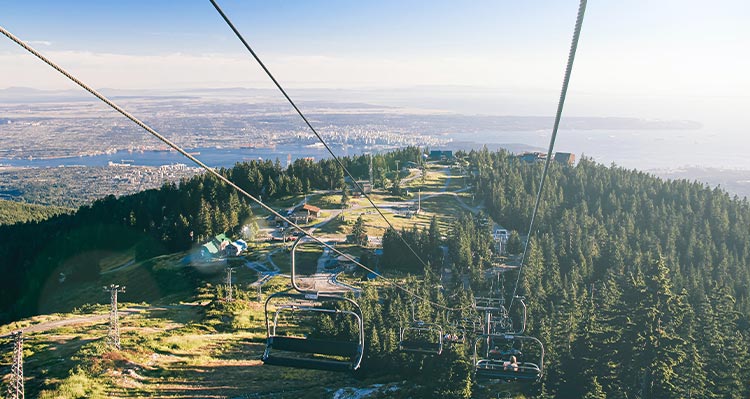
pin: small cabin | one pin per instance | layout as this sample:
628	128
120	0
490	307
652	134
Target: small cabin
311	210
565	158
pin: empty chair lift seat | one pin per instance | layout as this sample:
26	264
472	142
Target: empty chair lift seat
349	351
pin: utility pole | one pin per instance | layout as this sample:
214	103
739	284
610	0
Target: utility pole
113	335
229	284
15	385
372	181
419	201
260	286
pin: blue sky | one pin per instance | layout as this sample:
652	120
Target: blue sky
655	59
298	26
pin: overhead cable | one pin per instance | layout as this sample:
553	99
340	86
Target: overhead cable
309	125
558	115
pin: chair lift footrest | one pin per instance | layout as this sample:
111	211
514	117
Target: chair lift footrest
315	364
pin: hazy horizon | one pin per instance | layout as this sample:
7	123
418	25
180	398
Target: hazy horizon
664	60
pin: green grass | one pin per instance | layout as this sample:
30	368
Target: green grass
179	349
327	201
307	257
78	384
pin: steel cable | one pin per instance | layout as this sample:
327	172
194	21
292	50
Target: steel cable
558	115
309	125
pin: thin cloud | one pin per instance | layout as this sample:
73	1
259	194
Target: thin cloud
40	43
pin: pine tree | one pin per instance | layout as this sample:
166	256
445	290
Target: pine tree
658	347
359	234
595	390
345	198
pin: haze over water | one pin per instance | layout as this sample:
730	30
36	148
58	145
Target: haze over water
632	149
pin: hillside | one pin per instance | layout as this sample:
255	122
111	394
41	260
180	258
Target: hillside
630	280
177	333
17	212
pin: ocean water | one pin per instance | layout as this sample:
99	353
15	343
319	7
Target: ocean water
640	149
633	149
214	157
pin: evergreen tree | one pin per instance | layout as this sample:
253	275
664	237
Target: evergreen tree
344	198
359	234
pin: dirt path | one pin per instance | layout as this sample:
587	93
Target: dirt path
92	319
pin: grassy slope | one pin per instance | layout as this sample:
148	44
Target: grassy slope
176	351
189	346
16	212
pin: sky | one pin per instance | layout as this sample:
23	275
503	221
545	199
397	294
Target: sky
665	59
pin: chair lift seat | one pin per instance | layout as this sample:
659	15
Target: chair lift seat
349	350
319	346
315	364
419	346
496	370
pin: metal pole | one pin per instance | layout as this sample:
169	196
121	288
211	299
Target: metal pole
113	335
229	284
15	386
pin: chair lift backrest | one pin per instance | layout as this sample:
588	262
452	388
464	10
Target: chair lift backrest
493	368
421	328
294	268
455	332
352	350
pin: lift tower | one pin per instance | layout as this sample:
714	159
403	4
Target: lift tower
229	284
15	385
113	335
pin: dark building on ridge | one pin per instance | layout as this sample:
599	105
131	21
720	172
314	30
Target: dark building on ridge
565	158
444	155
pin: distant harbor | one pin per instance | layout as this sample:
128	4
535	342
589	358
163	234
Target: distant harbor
212	156
639	149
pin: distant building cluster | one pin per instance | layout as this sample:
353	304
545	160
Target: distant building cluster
144	176
564	158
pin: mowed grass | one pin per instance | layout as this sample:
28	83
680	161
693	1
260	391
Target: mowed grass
434	180
434	202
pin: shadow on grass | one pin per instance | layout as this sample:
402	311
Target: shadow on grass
50	362
237	372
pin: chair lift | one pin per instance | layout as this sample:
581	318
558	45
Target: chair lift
474	325
455	332
496	364
500	367
497	320
421	337
299	350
